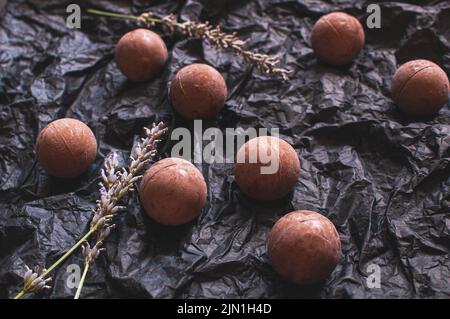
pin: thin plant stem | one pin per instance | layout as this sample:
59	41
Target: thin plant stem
83	277
114	185
121	16
71	250
20	294
63	257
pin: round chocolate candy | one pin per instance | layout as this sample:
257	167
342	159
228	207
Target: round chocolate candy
420	88
266	168
173	191
198	91
337	38
140	55
304	247
66	147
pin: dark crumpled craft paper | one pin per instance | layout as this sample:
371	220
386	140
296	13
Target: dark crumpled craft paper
382	178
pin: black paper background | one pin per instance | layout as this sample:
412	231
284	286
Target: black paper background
382	178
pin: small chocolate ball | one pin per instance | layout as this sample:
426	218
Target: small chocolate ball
198	91
141	54
66	147
173	191
266	168
420	87
304	247
337	38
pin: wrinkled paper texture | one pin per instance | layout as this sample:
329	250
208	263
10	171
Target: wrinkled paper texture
382	178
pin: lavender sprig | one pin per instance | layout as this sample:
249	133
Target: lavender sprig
216	37
267	64
114	185
34	281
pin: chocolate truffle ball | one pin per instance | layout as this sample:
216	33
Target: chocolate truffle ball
304	247
198	91
420	87
337	38
141	54
66	147
266	168
173	191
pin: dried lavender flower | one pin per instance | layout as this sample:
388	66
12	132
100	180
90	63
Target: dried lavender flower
90	254
213	35
34	281
115	184
216	37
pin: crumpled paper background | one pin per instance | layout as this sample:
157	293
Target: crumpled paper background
381	177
